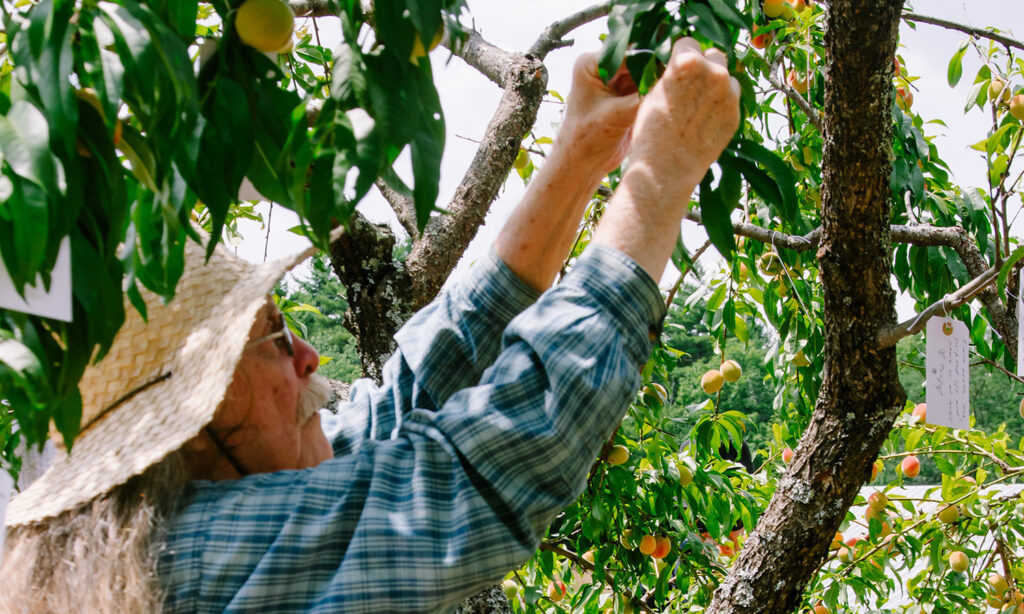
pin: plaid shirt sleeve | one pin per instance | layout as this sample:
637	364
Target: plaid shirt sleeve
458	474
443	348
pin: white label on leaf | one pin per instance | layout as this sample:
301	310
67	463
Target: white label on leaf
55	303
1020	325
947	367
6	483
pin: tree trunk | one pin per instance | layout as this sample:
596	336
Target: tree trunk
860	395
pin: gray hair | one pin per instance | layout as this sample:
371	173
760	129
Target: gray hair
100	557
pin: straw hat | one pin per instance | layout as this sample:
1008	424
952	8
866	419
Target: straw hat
161	381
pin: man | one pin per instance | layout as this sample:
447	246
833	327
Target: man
204	483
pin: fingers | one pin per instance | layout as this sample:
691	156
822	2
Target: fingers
586	65
687	54
717	56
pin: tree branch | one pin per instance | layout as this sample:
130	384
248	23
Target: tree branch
313	8
951	25
800	101
551	37
492	62
446	236
771	237
888	336
403	207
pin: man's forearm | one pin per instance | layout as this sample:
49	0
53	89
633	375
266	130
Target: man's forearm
639	215
538	235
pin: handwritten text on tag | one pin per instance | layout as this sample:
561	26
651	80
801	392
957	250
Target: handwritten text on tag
947	367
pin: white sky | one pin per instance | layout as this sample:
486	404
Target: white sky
469	99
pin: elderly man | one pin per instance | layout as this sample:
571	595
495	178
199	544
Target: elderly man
203	482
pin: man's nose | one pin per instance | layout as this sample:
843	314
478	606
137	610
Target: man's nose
306	359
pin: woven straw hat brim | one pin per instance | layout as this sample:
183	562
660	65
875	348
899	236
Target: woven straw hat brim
218	305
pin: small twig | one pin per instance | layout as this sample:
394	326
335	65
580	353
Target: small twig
313	8
800	101
551	37
888	336
951	25
266	240
672	293
764	235
999	367
403	207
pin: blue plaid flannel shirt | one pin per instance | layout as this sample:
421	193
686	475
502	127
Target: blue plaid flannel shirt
492	410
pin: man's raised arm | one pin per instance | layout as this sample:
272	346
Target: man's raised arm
682	126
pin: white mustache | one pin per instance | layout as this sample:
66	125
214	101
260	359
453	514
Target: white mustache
316	394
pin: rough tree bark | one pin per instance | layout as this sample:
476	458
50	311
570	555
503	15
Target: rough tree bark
382	293
860	395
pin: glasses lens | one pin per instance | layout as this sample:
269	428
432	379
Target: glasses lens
284	340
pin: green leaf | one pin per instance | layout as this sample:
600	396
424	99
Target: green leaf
727	12
25	142
956	69
707	23
1011	260
785	182
715	218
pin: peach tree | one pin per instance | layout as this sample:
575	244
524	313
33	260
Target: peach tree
123	123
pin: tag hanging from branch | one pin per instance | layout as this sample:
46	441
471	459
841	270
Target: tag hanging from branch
948	372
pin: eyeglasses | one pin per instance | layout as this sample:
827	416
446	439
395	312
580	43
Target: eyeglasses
281	336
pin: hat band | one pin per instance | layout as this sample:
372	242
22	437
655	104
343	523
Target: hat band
125	398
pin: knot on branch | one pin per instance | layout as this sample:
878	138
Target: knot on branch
526	75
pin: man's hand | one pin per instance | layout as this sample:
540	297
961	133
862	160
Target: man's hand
599	117
688	117
682	126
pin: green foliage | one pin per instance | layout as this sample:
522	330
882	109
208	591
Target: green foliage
764	308
322	325
122	122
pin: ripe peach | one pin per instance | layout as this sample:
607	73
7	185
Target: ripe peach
998	584
556	590
712	381
762	39
876	468
877	501
958	561
797	83
647	544
1017	106
821	609
949	514
911	466
787	455
731	370
904	98
837	541
663	546
920	412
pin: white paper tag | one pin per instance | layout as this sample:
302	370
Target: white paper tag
1020	325
947	367
54	304
6	483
